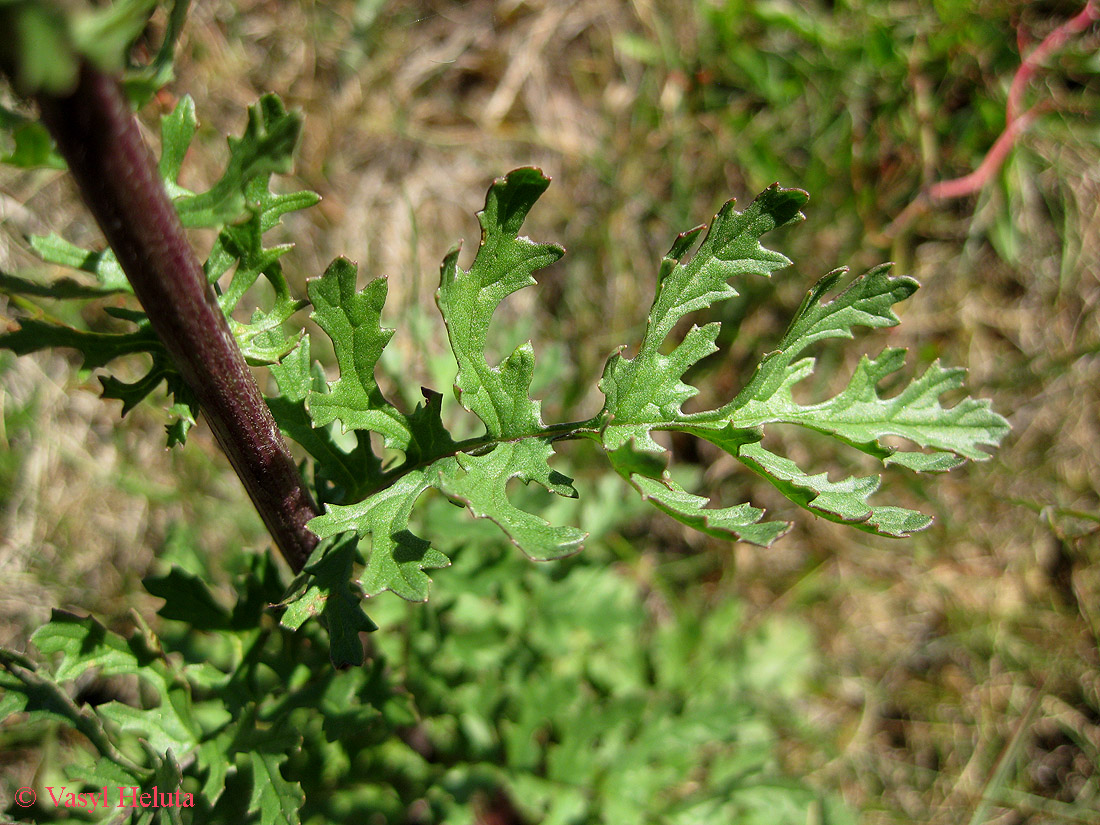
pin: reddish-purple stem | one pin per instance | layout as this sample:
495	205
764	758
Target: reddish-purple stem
117	176
1016	122
1037	56
972	182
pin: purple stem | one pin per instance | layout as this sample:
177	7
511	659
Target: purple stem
117	176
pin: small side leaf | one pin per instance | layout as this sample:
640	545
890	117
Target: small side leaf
647	387
342	474
267	146
480	482
844	501
325	590
275	799
397	558
353	321
103	265
187	598
467	299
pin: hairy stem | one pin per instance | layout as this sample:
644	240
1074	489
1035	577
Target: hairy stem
117	177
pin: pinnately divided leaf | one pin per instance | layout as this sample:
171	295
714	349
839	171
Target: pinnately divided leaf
647	388
353	322
644	394
516	444
468	298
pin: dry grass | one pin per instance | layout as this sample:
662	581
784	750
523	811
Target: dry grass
963	664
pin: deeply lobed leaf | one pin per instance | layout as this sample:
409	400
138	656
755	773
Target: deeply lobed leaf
647	387
516	444
641	401
267	146
353	322
467	299
644	394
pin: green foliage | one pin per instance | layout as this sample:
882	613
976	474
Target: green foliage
244	712
242	207
645	719
31	144
645	393
50	40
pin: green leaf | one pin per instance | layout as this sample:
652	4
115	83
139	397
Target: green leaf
97	349
214	754
741	523
60	289
95	771
325	590
397	558
177	129
844	501
84	644
275	799
33	145
858	415
162	727
140	83
646	389
103	265
646	393
38	52
480	482
32	691
341	474
468	298
104	35
517	444
266	147
353	321
133	393
242	243
167	780
187	598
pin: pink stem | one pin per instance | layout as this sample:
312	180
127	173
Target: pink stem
968	184
1015	121
1050	44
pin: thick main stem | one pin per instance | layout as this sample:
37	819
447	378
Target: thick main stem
117	176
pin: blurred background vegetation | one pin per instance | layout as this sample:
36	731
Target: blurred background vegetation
952	677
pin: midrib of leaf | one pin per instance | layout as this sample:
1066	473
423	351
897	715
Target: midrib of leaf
589	428
731	247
